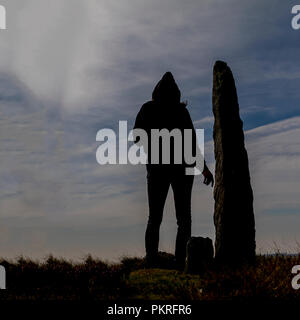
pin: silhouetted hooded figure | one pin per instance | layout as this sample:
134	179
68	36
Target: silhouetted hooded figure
166	91
165	111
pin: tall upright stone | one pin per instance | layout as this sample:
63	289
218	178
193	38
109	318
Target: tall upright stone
233	216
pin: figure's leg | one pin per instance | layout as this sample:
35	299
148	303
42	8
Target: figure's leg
158	186
182	188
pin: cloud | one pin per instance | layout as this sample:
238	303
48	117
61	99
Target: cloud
80	55
57	192
70	68
274	159
275	152
204	121
274	155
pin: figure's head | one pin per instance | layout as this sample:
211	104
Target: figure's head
166	90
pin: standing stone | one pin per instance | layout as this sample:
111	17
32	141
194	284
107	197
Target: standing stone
233	216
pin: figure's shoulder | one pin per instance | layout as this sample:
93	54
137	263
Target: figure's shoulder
147	106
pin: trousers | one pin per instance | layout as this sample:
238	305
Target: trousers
158	182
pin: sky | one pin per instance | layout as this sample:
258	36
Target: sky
69	68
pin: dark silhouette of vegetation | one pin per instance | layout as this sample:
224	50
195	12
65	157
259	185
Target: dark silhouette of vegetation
94	280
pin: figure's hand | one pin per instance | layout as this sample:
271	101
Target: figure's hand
208	177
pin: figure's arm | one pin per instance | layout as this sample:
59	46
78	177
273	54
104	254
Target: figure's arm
139	123
208	177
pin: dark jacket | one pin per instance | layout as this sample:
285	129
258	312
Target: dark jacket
165	111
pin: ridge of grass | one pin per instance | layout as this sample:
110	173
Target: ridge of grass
93	280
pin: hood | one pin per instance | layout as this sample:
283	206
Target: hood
166	90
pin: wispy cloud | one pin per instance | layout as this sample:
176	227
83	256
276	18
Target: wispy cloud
204	121
70	68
